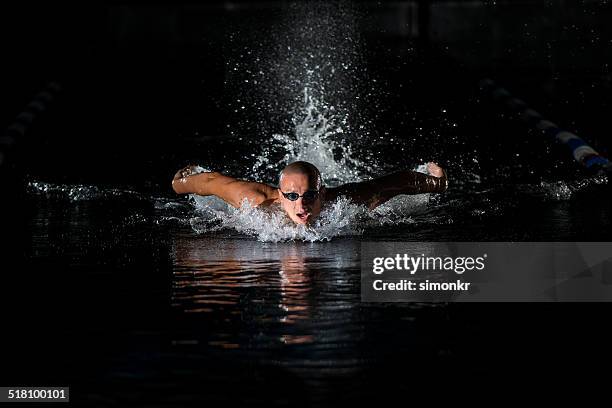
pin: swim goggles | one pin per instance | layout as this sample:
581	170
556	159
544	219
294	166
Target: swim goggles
308	195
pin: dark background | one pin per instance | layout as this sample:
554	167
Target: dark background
145	84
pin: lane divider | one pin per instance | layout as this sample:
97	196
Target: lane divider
581	151
22	123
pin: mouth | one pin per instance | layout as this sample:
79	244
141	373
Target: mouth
303	216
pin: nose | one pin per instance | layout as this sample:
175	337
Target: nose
300	205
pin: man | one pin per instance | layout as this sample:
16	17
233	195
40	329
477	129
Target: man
301	192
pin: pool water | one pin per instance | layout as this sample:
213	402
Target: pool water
134	306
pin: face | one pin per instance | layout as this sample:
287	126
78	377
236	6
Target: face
303	210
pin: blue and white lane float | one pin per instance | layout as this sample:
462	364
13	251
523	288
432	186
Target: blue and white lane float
22	123
581	151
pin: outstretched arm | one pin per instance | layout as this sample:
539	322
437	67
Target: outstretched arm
229	189
375	192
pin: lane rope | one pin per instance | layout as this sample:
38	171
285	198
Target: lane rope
581	151
24	120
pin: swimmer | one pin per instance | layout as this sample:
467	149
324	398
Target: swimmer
301	192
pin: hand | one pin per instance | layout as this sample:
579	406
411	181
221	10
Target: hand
435	170
186	172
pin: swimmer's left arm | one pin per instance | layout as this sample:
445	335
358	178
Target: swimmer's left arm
379	190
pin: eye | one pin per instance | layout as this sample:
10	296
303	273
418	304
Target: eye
310	195
292	196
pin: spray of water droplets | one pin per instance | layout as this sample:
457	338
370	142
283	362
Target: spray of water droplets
337	219
315	140
298	89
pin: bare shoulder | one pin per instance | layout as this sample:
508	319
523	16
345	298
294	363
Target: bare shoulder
268	195
359	192
258	194
270	203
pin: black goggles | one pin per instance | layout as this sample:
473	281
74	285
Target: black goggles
308	195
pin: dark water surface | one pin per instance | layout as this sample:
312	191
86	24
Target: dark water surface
148	314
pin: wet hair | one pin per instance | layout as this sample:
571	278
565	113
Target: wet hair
302	167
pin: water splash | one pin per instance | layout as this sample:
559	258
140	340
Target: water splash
299	89
564	190
317	138
339	218
78	192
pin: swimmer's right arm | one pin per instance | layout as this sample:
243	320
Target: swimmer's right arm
379	190
229	189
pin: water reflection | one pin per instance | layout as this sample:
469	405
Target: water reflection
260	294
294	309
